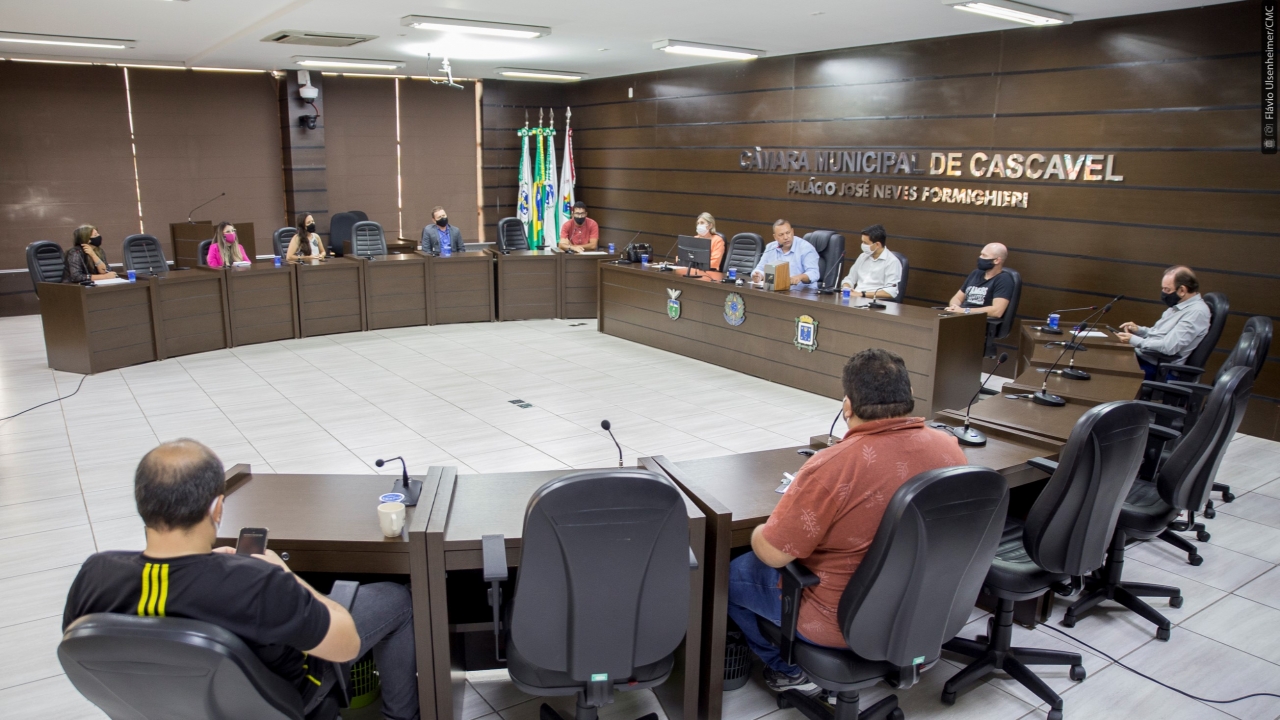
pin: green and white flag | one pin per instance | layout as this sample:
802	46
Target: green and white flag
551	218
524	200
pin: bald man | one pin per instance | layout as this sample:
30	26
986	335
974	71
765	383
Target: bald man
988	289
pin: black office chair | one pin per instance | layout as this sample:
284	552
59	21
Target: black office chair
45	262
1064	536
202	253
999	328
1183	481
143	255
1190	369
367	240
743	253
830	247
511	235
601	598
361	215
159	668
340	231
280	240
902	280
913	591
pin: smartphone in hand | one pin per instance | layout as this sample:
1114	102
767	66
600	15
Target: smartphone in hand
252	541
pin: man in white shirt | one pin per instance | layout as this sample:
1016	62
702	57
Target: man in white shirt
877	272
1178	331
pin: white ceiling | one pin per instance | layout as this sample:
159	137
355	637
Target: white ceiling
601	38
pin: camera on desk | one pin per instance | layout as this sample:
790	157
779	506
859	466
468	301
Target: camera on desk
633	252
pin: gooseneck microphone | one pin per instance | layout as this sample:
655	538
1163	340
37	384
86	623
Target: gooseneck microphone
406	486
967	435
206	202
609	429
1071	370
822	287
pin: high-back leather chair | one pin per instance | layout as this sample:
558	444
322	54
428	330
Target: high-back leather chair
743	253
45	262
902	280
340	231
1065	535
830	247
202	253
511	235
601	599
367	240
361	216
280	240
999	328
143	255
1182	481
913	591
1192	368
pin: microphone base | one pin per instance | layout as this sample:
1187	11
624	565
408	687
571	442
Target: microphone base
1068	345
410	493
823	441
1076	374
1045	329
826	291
873	305
968	437
1048	399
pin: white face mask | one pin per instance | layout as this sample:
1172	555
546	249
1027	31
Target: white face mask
866	248
702	228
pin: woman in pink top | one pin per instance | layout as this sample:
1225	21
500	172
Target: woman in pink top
225	249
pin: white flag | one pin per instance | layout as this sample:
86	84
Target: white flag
551	225
524	199
568	176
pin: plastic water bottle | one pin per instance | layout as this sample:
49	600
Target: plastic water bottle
277	260
1053	321
846	293
610	248
133	276
733	273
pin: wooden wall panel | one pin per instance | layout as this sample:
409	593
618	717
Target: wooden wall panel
360	148
1172	94
438	155
202	133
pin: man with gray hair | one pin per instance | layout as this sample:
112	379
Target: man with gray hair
1178	331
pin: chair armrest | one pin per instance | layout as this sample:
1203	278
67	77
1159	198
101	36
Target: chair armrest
1182	372
795	578
1044	465
1161	432
693	560
494	549
344	593
1170	388
1162	410
1192	388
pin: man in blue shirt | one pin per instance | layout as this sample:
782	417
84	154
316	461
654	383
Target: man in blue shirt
796	252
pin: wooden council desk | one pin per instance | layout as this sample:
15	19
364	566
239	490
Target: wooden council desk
738	492
943	351
262	303
330	296
94	329
460	288
467	507
528	284
395	290
329	523
189	310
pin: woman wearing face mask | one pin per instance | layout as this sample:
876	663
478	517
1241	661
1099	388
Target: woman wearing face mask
86	260
306	244
706	228
225	248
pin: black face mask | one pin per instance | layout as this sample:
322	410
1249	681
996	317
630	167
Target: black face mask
984	264
96	241
1170	299
311	227
443	221
579	220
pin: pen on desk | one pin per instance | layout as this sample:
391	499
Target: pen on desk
787	477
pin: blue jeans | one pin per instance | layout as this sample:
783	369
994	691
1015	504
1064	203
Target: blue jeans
1148	369
754	592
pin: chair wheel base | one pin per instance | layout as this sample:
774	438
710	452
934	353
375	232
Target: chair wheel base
1228	497
948	698
1196	560
1202	536
1068	621
1055	715
1163	634
1175	602
1077	672
1210	513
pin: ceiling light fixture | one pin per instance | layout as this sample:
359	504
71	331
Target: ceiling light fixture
474	27
1012	11
66	41
552	75
352	63
720	52
229	70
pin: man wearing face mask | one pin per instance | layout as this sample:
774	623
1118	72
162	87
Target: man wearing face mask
988	289
1179	329
298	633
581	233
441	235
795	252
877	272
86	260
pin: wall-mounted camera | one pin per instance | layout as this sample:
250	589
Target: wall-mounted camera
308	121
308	93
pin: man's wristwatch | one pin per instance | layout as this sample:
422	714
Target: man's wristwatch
966	311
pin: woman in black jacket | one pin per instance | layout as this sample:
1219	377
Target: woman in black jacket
86	260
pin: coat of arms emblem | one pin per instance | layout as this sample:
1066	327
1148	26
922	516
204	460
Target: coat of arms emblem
735	309
673	303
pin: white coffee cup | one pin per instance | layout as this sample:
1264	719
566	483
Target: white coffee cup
391	518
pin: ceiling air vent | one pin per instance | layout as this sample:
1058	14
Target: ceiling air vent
302	37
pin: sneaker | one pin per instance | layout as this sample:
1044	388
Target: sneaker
779	682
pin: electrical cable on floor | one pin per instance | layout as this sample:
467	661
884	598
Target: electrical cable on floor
73	392
1148	677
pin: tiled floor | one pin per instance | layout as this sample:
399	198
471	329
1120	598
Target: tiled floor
442	395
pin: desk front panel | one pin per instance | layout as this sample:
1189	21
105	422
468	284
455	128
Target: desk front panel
330	296
260	299
396	291
580	284
1110	360
461	288
190	312
1100	388
528	287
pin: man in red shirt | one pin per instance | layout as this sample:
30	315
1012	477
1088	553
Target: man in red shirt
830	513
581	233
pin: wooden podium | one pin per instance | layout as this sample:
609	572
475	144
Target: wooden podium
186	239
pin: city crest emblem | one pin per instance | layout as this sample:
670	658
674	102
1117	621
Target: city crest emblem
735	309
806	333
673	303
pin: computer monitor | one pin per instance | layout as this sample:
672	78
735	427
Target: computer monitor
693	252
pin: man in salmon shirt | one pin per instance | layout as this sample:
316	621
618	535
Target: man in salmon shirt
829	515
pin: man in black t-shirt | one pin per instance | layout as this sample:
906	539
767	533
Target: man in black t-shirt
297	632
988	289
